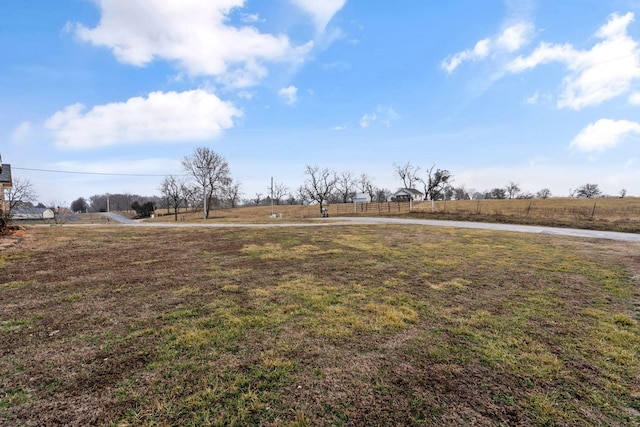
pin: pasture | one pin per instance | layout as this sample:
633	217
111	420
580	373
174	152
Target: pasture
612	214
342	325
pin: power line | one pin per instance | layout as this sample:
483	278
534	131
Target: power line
90	173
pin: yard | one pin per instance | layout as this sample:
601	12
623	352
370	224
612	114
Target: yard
342	325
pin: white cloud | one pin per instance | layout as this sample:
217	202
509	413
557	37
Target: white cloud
605	71
533	99
321	11
605	134
516	36
383	115
511	39
634	98
194	34
289	94
161	117
367	119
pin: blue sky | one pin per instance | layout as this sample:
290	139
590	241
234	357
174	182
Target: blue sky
542	93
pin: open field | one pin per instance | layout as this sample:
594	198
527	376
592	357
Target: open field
356	325
612	214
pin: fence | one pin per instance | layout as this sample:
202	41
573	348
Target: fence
369	208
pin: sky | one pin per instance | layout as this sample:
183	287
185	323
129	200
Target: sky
108	96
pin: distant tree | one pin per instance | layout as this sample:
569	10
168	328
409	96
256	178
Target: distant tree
545	193
20	192
232	193
460	193
257	199
79	205
143	210
279	191
302	195
365	185
512	189
623	193
345	186
210	171
408	174
382	195
498	193
319	185
173	191
436	182
588	190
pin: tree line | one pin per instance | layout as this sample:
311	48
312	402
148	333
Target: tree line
207	184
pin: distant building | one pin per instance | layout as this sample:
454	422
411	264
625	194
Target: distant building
32	213
5	183
407	194
362	198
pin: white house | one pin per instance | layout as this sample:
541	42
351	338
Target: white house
362	198
32	213
406	194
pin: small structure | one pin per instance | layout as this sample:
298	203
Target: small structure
362	198
27	214
407	195
5	183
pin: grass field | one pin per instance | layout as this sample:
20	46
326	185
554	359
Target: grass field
612	214
348	325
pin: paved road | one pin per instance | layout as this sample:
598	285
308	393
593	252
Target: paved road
571	232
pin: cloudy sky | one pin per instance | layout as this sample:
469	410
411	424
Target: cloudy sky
539	92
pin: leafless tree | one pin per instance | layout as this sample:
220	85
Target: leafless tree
366	186
173	191
545	193
436	182
623	193
279	191
232	193
319	184
345	186
588	190
210	171
512	189
408	174
258	198
20	192
381	195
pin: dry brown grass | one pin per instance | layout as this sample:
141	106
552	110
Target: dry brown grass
352	325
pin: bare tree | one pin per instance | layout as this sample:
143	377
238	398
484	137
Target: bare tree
588	190
436	182
408	174
345	186
79	205
258	198
623	193
382	195
366	186
279	191
21	192
319	184
498	193
210	171
512	189
545	193
232	193
173	191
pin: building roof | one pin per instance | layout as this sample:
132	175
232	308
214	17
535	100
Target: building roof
5	175
410	191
